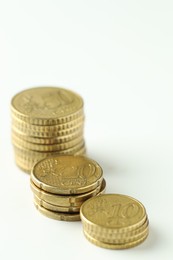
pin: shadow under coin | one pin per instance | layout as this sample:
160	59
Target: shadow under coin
153	240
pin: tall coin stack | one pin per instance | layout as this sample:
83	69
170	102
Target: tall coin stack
46	121
61	184
114	221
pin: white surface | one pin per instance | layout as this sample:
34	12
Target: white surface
119	56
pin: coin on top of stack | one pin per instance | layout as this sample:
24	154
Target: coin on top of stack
46	121
114	221
61	184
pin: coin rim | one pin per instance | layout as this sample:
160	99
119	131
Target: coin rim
58	190
49	140
114	246
116	229
65	200
119	238
46	147
42	121
54	207
58	215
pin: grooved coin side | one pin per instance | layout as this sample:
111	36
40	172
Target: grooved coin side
67	174
115	246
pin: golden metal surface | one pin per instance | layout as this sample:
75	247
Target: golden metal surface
119	238
115	246
53	207
50	134
46	105
26	153
29	157
28	128
46	121
113	212
50	140
58	215
97	234
67	174
27	161
66	200
46	148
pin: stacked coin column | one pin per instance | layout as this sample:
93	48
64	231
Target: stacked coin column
46	121
61	184
114	221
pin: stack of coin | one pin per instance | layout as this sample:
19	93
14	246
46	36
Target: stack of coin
61	184
114	221
46	121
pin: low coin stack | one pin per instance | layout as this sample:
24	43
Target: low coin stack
46	121
114	221
61	184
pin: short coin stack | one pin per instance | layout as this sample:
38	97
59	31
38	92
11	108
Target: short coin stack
61	184
46	121
114	221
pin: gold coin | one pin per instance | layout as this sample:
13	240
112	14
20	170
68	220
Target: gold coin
113	213
26	153
65	200
53	207
58	215
67	174
49	140
117	239
46	105
28	128
103	236
46	148
26	162
50	134
115	246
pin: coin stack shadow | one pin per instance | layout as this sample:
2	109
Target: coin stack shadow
114	221
46	121
61	184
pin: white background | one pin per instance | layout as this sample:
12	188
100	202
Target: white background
118	55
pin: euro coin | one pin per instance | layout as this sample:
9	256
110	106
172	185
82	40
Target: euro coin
46	148
67	174
109	236
46	106
65	200
54	207
118	238
114	221
114	212
46	121
25	127
58	215
48	140
50	134
115	246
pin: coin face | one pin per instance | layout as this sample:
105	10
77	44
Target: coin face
67	174
46	102
113	211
